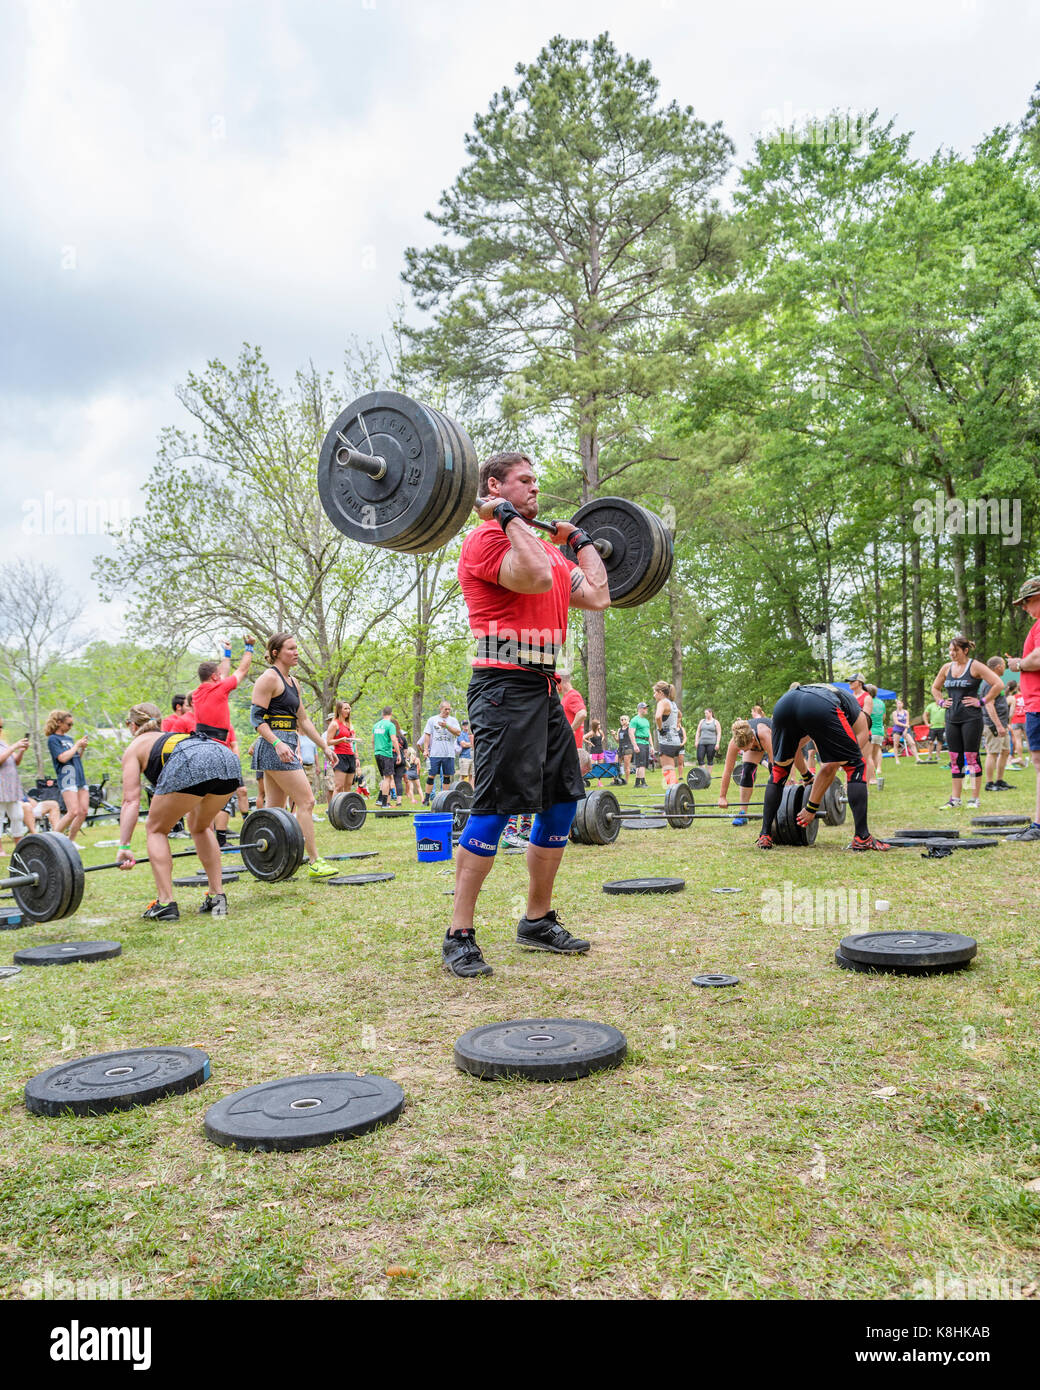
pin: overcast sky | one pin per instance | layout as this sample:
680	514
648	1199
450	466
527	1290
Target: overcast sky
180	178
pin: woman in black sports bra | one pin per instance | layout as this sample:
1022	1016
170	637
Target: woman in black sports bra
956	687
187	774
277	713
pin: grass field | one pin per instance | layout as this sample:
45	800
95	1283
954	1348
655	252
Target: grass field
811	1133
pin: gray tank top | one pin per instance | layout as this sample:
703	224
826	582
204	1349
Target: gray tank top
669	732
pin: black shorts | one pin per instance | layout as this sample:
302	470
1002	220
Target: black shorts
346	762
670	750
642	755
216	786
385	764
813	711
526	758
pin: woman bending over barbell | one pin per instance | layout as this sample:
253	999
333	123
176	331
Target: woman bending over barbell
187	773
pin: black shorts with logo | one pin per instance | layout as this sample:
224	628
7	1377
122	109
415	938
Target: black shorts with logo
526	758
818	712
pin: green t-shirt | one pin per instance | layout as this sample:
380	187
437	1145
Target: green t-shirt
877	717
936	716
640	728
382	733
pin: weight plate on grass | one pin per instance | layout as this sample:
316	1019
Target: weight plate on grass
347	811
454	802
847	964
893	948
116	1081
58	891
358	878
645	885
598	817
785	828
540	1049
1001	832
7	971
1000	820
201	881
643	823
715	981
67	953
902	842
359	854
678	806
835	804
946	834
301	1112
699	778
272	844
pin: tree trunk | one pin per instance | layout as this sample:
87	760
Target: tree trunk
878	654
957	546
981	617
675	622
904	688
915	699
595	623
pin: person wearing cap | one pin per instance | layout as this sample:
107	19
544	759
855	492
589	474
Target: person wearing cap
1028	666
464	752
640	726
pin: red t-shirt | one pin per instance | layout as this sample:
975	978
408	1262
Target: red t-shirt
519	621
1029	681
210	703
1019	716
178	724
343	743
573	704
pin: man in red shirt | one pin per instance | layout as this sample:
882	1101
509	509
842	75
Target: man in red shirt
182	720
573	708
210	700
1029	665
518	587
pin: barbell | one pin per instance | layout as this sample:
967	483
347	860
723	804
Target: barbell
49	884
396	473
349	810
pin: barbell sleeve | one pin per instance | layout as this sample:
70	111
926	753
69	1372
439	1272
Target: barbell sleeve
349	457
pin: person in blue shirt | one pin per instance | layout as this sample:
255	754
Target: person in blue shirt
67	756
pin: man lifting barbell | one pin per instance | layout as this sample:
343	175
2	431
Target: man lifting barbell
833	720
190	776
518	588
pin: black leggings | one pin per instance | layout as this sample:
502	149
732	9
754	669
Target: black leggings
706	753
962	741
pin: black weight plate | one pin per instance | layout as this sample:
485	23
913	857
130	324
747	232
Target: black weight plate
60	888
645	885
643	823
201	881
116	1081
540	1049
272	844
332	811
835	804
358	878
847	964
67	953
454	502
351	811
901	842
785	828
641	548
301	1112
389	510
699	778
452	802
579	833
1001	832
908	948
7	971
946	834
360	854
715	981
1000	820
602	817
678	806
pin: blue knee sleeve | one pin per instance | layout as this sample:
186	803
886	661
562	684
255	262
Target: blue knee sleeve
482	834
551	828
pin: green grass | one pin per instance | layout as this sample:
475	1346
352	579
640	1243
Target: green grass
742	1151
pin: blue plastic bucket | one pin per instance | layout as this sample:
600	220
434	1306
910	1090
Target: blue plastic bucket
433	837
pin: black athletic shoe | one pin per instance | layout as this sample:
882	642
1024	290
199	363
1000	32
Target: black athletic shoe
1031	832
991	787
161	912
216	903
549	934
426	799
1002	786
461	955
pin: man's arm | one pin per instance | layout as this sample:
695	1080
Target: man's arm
579	719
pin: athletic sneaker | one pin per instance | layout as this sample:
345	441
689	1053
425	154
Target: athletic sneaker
739	820
1031	832
954	804
1002	786
161	912
513	840
868	842
461	955
321	868
549	934
763	841
973	804
215	903
990	787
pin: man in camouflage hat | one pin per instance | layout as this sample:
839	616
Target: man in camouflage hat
1029	666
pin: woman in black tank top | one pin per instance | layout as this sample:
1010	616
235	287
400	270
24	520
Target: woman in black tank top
956	687
277	715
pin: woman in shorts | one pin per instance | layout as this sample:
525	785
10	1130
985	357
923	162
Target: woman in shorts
412	771
956	686
669	740
67	756
277	714
341	739
1017	726
626	747
190	777
902	732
